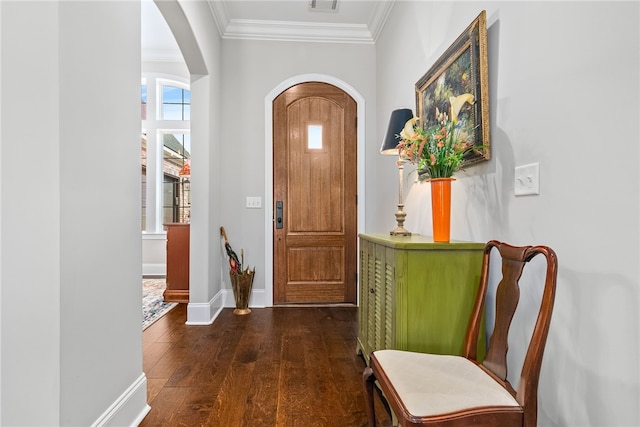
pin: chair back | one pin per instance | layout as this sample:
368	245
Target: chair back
514	259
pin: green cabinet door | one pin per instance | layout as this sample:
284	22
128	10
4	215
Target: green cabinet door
415	294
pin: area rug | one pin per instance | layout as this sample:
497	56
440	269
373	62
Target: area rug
153	305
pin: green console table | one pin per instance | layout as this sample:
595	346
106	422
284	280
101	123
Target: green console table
415	294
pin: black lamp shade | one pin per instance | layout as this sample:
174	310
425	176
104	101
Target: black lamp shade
396	123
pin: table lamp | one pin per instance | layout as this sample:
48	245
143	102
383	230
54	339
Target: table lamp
390	147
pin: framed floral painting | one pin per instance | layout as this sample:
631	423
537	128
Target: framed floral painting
461	69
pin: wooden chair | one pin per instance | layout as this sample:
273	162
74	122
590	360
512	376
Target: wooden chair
445	390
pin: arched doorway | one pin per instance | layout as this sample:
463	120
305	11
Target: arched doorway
269	201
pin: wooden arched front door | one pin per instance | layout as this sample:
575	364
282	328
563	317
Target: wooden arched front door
315	195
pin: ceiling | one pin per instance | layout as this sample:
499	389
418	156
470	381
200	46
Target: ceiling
352	21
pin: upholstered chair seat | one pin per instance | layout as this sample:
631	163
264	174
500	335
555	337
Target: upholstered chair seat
433	384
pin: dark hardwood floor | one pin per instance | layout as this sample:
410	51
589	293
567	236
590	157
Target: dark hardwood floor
280	366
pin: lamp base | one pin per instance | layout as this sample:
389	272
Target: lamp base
400	216
400	232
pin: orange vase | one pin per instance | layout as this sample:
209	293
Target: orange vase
441	208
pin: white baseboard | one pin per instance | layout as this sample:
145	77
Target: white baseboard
154	269
206	313
129	409
257	299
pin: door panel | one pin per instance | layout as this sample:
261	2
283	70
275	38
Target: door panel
315	176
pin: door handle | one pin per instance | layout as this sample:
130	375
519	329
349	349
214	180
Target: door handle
279	222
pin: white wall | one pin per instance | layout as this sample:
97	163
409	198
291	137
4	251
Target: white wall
563	92
251	70
71	317
154	254
30	227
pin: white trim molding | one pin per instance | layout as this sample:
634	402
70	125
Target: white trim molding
206	313
154	269
129	409
298	31
256	29
268	189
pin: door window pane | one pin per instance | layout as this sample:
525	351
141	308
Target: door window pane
314	137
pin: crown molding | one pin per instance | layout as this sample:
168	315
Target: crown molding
300	31
379	17
297	31
220	15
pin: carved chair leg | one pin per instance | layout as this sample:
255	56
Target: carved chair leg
368	380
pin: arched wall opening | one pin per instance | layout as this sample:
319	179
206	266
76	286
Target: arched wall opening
199	310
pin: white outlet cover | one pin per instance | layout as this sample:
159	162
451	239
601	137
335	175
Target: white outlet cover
527	179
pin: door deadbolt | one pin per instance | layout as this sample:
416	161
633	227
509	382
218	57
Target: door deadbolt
279	222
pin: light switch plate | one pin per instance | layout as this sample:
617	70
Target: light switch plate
254	202
527	179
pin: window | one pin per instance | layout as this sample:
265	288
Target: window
176	200
176	103
165	153
143	102
314	137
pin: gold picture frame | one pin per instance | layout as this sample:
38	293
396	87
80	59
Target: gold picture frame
462	68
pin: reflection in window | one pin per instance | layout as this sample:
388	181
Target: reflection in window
176	200
314	137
